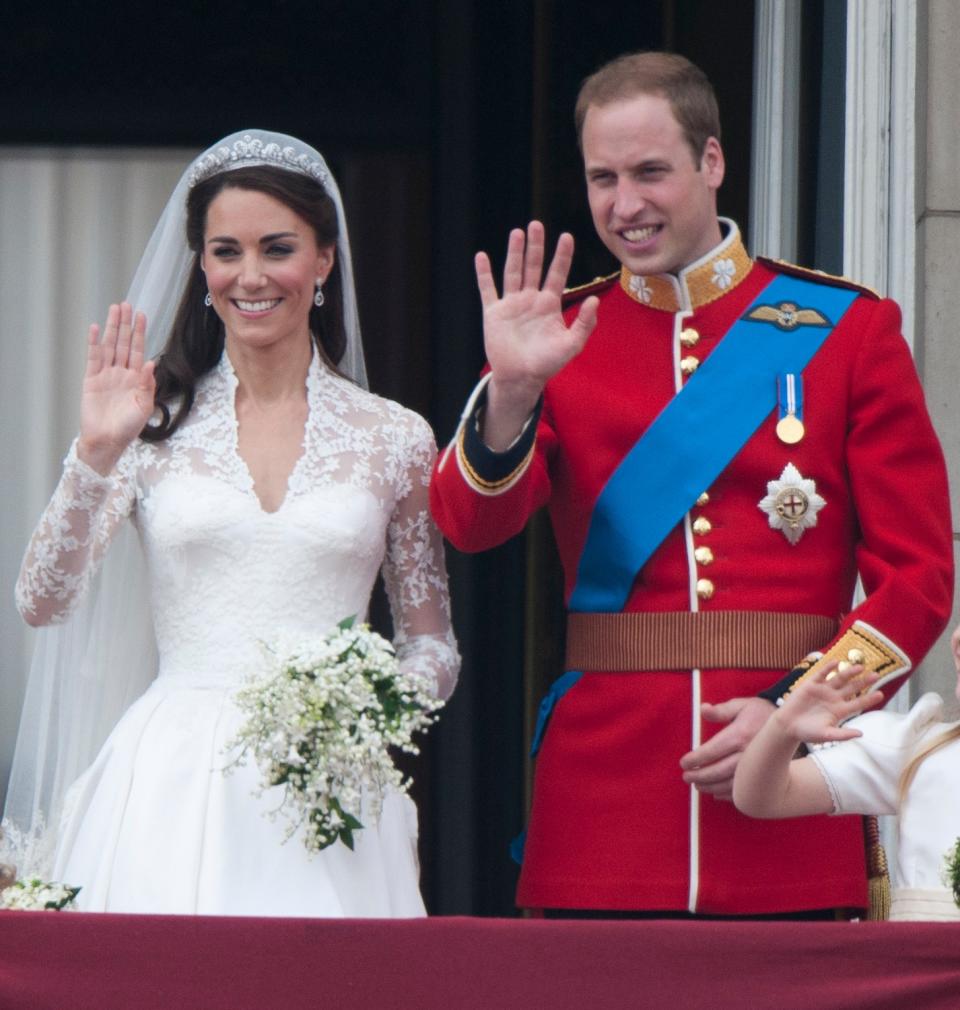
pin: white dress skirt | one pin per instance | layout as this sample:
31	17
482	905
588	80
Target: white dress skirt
158	825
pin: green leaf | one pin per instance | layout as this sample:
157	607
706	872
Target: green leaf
351	822
952	870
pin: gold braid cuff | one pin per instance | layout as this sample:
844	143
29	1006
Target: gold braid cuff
863	645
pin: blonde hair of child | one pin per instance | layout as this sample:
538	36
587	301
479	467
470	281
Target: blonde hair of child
914	763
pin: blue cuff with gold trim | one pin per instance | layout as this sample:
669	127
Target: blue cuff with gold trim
493	472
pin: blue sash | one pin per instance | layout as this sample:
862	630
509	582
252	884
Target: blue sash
725	401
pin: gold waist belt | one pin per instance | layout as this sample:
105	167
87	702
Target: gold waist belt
722	639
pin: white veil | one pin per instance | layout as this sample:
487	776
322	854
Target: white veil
87	671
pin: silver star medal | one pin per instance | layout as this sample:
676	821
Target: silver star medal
791	503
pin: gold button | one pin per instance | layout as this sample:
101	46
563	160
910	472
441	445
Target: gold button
856	657
703	555
689	337
704	589
702	525
704	499
689	364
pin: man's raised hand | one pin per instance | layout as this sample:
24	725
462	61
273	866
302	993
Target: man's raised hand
525	336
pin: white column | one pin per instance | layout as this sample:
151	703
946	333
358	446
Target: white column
776	102
880	202
938	256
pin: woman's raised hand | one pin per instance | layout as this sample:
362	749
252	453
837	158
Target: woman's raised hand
118	388
525	337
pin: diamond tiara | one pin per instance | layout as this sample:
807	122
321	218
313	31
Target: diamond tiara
253	151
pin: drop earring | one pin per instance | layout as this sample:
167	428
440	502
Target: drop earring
318	298
207	300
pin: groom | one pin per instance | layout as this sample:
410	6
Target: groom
723	444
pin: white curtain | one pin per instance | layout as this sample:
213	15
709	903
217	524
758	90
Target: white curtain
73	223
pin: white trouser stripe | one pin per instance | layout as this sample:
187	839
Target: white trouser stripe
694	869
694	829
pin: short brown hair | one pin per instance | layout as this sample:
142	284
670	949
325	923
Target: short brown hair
682	83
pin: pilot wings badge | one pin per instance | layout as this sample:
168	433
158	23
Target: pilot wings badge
788	316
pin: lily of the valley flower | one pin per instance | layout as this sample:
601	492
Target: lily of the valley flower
320	724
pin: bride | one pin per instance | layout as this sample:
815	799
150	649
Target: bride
266	490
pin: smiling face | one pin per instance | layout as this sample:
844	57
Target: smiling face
654	207
261	262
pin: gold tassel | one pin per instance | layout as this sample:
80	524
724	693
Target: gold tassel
878	873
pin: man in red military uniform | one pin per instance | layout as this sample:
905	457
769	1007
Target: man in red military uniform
723	445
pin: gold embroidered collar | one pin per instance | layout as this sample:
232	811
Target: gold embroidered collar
705	280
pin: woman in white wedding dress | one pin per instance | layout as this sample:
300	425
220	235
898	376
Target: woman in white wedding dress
267	491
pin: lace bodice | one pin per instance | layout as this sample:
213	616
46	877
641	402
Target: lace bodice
224	574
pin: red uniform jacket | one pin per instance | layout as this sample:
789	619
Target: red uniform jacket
613	826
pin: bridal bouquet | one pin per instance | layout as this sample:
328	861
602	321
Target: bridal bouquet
29	893
38	895
321	722
950	874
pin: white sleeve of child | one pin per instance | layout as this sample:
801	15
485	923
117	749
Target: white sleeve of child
863	774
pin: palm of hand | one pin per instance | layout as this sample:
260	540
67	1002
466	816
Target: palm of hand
115	405
525	335
814	715
815	709
526	338
118	387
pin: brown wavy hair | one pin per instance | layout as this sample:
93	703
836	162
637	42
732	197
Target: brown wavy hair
196	338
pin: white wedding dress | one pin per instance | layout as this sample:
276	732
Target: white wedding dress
154	825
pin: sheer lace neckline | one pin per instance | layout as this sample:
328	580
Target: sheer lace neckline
224	387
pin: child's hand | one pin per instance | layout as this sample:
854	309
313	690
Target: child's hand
813	710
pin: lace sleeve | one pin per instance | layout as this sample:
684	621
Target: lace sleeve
415	575
69	542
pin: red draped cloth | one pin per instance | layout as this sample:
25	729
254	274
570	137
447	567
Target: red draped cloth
56	961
